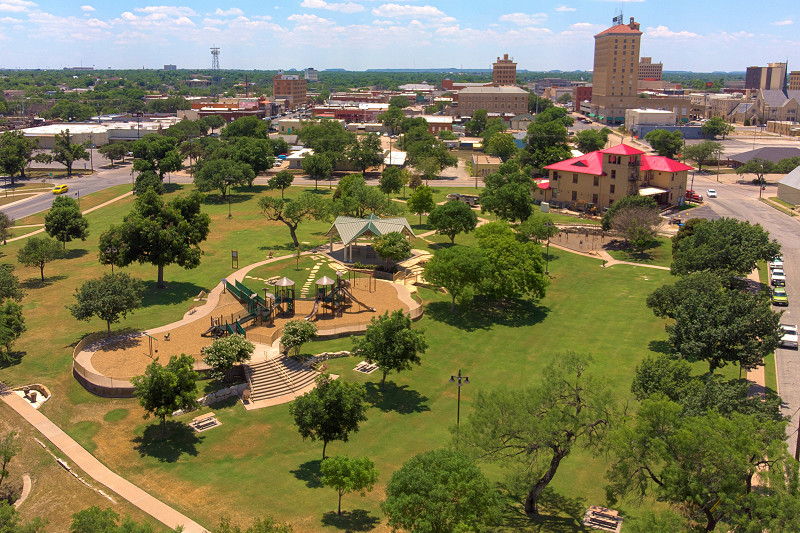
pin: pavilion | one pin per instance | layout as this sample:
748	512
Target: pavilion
350	229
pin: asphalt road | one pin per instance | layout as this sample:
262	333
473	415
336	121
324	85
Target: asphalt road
741	202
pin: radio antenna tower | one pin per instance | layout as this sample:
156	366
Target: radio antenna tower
215	78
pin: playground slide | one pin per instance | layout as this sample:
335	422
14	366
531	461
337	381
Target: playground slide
210	331
356	300
313	312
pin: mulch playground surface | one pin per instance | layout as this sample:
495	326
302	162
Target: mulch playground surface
128	357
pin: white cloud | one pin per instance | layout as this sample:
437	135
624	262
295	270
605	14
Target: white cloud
562	8
524	19
664	32
212	22
173	11
787	22
343	7
309	19
397	10
87	9
228	12
379	22
16	6
9	20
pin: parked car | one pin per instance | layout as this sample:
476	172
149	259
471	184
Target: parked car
778	277
693	196
779	296
789	338
777	262
711	193
60	189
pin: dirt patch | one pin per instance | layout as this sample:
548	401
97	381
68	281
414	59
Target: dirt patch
129	357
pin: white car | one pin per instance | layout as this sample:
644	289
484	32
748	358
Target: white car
776	263
778	277
789	338
711	193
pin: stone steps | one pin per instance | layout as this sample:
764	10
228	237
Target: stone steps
269	378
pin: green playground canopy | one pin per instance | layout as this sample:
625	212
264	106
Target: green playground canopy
350	228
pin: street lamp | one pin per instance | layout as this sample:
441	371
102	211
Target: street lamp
549	225
111	252
459	380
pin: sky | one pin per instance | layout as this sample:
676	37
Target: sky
696	35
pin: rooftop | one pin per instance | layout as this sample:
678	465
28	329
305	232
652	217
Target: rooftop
505	89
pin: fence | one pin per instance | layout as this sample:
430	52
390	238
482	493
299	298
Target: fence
97	383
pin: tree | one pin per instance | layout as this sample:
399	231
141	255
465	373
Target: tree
708	465
685	230
69	111
97	520
16	153
537	104
162	233
623	203
538	227
421	201
39	251
638	225
109	298
266	525
392	118
148	179
555	114
715	127
255	153
537	428
66	152
759	167
348	474
246	127
9	284
10	521
459	270
6	223
8	450
547	143
220	174
699	153
565	98
590	140
787	164
452	218
282	181
665	143
318	167
477	123
114	151
726	246
502	145
331	411
440	491
162	390
296	333
65	221
366	152
392	247
515	269
12	324
156	153
390	181
508	193
327	137
226	352
293	212
390	342
399	101
714	323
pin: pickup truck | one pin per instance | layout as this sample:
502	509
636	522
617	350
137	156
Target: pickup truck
693	196
778	277
789	338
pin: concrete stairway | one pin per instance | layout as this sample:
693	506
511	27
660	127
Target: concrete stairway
278	376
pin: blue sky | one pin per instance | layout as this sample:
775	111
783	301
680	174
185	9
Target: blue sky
699	35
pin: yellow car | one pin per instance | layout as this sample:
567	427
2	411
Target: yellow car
60	189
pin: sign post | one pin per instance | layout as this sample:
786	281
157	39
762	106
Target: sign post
235	259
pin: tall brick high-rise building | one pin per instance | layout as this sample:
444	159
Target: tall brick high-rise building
504	71
615	80
289	87
649	70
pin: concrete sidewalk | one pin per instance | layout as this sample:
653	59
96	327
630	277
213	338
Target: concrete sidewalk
96	470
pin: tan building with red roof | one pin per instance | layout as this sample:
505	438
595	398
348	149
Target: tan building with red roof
599	178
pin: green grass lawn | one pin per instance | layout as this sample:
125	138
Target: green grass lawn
256	462
660	255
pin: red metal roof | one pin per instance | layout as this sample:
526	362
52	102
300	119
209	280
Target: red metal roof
622	149
619	28
591	163
663	164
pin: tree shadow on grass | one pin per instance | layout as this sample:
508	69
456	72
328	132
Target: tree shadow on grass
355	520
309	473
484	314
659	347
176	292
167	445
236	197
9	359
393	398
75	253
557	513
38	283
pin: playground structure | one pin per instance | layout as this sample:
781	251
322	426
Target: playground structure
284	296
335	299
257	308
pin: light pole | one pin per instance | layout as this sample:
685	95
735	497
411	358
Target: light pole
111	252
459	380
228	182
549	225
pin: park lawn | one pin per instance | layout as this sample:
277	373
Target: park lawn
660	255
17	196
257	460
289	268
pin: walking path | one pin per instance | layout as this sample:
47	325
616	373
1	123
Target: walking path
96	470
757	377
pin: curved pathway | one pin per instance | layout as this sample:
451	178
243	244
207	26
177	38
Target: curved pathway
97	470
